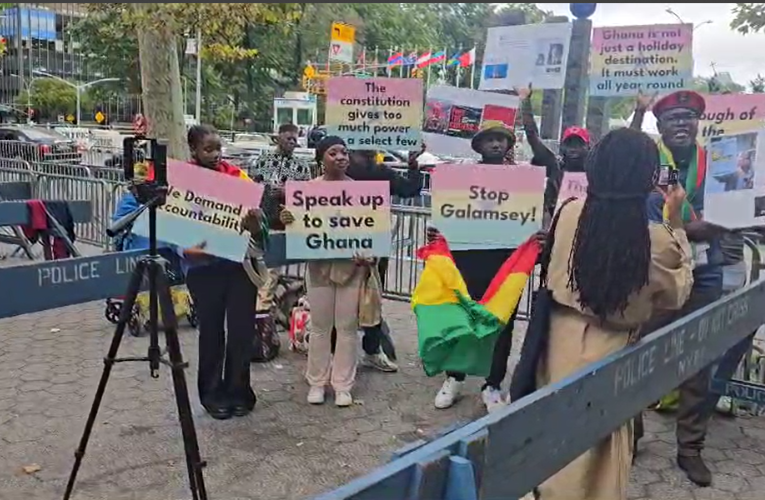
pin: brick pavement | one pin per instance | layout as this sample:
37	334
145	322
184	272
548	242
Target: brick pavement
286	450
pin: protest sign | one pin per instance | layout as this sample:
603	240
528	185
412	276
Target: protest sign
653	58
487	206
338	219
573	185
729	114
372	113
517	55
734	194
204	206
453	116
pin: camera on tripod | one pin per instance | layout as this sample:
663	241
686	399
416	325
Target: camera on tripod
145	168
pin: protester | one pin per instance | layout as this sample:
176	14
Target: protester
574	145
609	269
364	167
334	290
478	267
223	295
276	168
677	116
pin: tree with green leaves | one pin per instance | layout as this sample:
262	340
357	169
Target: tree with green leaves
758	84
50	98
748	17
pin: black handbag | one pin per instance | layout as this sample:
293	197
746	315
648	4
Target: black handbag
524	380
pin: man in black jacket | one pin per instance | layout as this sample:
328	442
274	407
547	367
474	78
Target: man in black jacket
574	146
364	167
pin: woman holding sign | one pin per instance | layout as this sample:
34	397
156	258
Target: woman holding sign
224	297
334	290
609	269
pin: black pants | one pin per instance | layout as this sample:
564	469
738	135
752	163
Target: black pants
478	268
372	338
224	297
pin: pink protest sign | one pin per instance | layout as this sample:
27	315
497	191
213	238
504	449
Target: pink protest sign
487	206
370	113
731	114
573	185
338	219
204	206
652	58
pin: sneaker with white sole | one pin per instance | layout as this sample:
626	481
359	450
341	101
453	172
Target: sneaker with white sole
316	395
343	399
380	362
449	393
492	398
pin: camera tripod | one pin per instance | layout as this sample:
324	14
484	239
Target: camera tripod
153	267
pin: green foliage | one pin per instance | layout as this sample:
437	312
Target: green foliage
758	84
253	52
50	98
748	17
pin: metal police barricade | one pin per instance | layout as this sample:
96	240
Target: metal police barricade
65	187
17	171
508	453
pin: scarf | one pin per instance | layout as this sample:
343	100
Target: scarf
697	170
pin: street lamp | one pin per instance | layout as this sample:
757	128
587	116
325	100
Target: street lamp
78	88
676	16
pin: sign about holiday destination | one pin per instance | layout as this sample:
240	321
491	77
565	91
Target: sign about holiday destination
338	220
487	206
376	113
204	206
628	59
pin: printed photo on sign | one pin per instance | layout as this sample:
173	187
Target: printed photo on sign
627	59
487	206
731	161
204	206
338	220
454	115
735	180
376	113
517	55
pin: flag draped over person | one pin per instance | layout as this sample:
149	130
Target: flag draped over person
455	332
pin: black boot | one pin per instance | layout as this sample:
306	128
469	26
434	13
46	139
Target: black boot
696	470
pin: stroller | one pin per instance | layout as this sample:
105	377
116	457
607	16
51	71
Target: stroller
139	317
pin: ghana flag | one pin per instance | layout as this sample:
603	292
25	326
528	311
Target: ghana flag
456	333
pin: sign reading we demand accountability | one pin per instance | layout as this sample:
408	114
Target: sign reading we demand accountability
204	206
373	113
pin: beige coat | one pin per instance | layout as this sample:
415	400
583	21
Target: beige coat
577	339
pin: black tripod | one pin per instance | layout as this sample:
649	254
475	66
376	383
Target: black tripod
152	266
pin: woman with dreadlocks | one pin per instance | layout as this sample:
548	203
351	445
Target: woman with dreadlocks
609	269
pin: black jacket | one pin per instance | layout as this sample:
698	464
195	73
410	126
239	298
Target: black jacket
406	185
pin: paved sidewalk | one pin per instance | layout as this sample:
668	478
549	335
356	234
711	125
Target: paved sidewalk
50	363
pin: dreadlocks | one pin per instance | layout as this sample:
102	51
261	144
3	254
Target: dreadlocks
612	248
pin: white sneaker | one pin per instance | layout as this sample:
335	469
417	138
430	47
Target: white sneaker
381	362
343	399
316	395
493	399
448	394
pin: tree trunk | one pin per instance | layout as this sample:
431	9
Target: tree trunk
161	81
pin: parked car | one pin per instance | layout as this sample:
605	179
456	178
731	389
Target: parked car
37	144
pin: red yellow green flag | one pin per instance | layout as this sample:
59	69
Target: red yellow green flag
455	332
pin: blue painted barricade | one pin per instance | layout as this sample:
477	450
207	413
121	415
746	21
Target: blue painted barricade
512	451
47	285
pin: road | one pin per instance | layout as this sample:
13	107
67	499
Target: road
50	363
